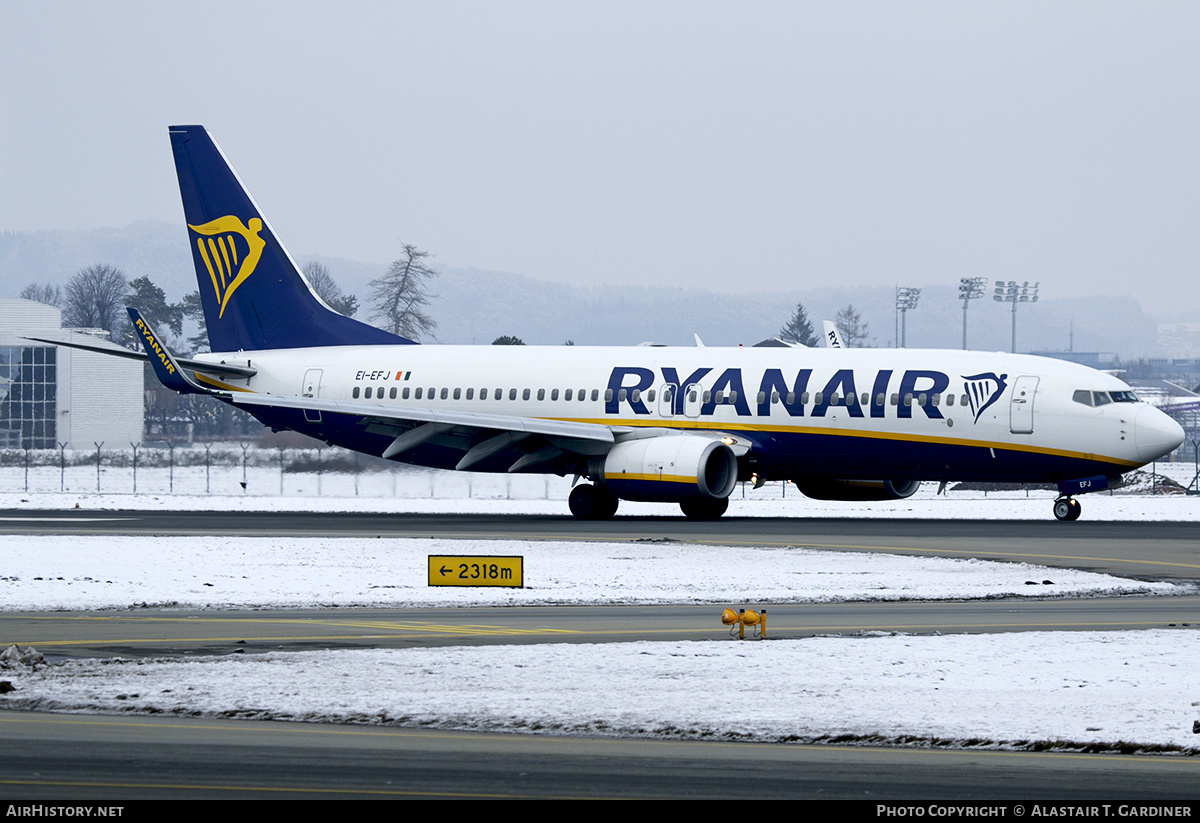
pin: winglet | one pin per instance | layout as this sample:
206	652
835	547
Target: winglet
833	337
166	369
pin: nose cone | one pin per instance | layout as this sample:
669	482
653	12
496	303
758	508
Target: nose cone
1155	434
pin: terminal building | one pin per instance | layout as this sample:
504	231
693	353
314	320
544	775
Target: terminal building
52	396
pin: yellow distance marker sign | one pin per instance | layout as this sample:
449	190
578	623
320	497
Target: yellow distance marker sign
476	570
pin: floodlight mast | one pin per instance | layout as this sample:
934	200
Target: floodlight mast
906	298
1014	292
969	288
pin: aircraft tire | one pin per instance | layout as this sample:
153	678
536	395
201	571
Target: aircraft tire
1067	509
1076	509
704	508
589	502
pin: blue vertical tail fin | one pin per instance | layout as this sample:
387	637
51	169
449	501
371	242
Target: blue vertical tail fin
253	294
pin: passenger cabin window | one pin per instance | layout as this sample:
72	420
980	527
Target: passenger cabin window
354	393
392	393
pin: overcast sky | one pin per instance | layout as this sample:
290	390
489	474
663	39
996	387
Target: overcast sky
734	146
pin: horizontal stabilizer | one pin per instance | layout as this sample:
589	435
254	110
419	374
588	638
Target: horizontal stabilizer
105	347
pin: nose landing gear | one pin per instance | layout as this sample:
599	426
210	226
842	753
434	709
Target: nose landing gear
1067	508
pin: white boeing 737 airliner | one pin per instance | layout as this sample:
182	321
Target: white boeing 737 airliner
639	423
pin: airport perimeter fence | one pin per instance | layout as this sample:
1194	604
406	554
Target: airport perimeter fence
246	469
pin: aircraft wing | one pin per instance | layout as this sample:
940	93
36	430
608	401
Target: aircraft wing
503	422
488	433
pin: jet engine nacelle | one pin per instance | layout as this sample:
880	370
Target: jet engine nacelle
670	468
838	489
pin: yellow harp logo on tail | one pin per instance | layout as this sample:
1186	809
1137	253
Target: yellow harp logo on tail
229	262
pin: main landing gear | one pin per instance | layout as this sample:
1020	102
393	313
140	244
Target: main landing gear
595	502
590	502
1067	508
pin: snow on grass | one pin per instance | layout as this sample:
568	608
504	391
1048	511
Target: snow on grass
406	490
112	572
1098	690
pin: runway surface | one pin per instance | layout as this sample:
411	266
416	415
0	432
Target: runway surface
61	757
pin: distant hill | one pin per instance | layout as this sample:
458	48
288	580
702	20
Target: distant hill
476	306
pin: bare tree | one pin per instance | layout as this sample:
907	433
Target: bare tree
95	298
799	328
853	329
327	289
43	293
400	297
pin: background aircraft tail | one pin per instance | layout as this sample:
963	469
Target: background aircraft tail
253	294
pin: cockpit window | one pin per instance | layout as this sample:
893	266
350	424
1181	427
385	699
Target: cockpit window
1101	398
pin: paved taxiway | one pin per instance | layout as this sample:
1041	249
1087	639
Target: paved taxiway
71	756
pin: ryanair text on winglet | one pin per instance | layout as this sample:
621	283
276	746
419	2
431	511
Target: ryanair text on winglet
157	349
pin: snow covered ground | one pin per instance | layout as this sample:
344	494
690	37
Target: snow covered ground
80	572
191	484
1076	690
1065	690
